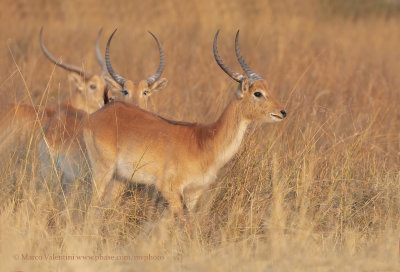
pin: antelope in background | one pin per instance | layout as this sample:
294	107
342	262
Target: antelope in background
139	93
87	95
180	159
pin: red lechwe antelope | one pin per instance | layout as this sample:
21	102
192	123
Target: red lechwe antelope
139	93
61	148
87	95
180	159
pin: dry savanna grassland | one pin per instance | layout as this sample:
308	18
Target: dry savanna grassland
319	191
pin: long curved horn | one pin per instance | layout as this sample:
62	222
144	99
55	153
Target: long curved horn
68	67
99	55
236	76
151	79
246	68
119	79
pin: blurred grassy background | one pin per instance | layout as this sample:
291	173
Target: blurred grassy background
320	190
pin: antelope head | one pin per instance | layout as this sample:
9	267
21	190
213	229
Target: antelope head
88	87
139	93
253	93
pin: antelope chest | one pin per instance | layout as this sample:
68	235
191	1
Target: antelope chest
227	150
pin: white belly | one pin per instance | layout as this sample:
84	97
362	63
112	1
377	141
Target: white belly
135	173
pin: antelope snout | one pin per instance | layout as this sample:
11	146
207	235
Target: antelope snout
276	117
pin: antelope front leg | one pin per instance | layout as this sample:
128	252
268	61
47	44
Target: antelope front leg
102	182
102	164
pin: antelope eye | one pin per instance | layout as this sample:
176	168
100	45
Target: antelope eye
92	86
124	92
145	92
257	94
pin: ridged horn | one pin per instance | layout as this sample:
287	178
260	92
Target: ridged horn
153	78
230	72
246	68
68	67
99	55
119	79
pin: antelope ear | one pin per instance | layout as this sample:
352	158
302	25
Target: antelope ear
114	86
158	85
77	81
243	88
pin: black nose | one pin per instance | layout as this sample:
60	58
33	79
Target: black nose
283	113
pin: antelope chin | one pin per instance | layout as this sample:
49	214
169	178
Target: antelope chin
275	117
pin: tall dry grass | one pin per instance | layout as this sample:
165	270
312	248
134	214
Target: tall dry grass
319	191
